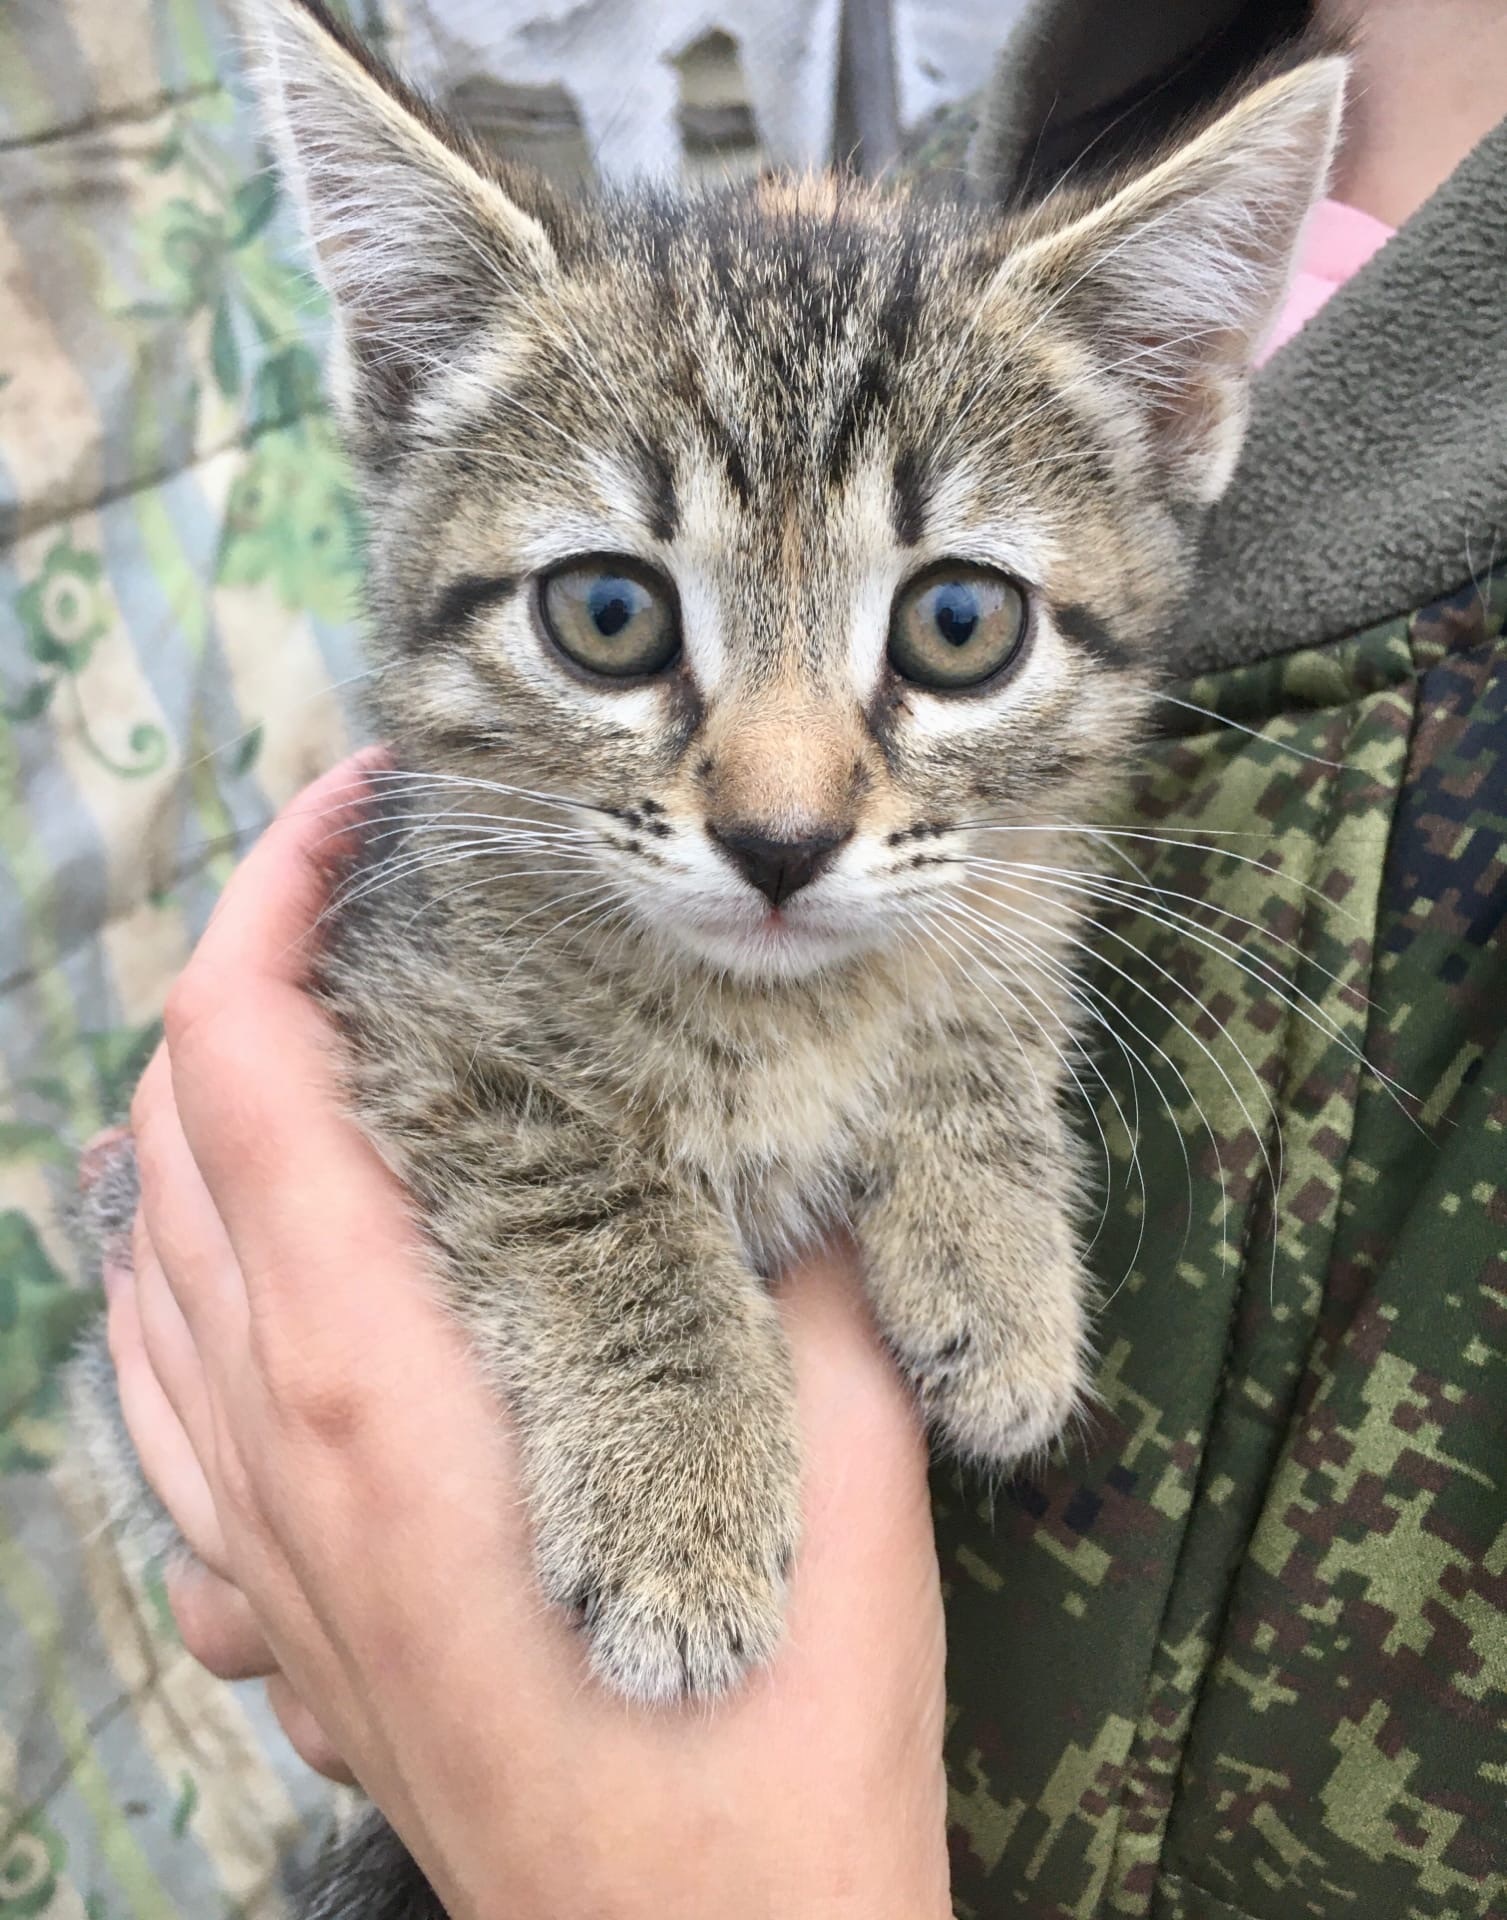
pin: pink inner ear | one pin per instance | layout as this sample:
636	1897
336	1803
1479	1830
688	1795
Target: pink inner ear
1338	243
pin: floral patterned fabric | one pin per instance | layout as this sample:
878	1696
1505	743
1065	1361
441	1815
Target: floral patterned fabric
177	559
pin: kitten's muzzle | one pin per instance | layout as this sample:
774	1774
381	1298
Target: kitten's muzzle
778	868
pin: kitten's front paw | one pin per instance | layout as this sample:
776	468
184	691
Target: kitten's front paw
999	1407
678	1584
693	1631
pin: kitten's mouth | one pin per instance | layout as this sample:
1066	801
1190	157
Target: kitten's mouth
806	923
779	933
776	943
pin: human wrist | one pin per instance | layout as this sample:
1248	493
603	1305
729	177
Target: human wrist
638	1864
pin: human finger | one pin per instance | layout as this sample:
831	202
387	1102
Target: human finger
196	1291
305	1735
257	1097
170	1345
261	921
216	1624
166	1457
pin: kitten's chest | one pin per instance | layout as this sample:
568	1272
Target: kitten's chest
772	1116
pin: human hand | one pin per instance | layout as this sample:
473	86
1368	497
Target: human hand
308	1413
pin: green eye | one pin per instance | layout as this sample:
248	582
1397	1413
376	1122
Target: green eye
955	626
611	616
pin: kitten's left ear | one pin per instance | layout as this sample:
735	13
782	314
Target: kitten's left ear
417	239
1174	281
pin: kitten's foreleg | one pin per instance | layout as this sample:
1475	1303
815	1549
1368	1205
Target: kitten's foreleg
970	1263
646	1369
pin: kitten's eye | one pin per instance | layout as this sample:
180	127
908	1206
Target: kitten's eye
611	616
955	626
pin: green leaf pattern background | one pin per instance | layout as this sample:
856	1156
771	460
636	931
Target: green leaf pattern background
178	554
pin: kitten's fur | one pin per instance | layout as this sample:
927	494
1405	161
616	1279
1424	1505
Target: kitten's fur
618	1111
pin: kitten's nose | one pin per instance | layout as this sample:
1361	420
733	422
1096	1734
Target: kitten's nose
777	868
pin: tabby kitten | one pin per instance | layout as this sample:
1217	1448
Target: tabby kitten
739	566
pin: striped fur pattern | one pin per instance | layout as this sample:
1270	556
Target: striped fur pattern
622	1088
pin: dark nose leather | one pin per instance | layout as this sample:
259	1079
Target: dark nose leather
778	868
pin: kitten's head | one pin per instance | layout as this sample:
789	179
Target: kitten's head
793	533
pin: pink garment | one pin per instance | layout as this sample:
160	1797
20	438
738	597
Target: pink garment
1338	243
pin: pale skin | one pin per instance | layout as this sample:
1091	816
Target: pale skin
1430	82
295	1395
311	1419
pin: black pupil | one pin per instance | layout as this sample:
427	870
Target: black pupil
610	604
956	613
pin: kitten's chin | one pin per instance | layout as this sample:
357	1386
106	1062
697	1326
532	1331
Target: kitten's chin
773	949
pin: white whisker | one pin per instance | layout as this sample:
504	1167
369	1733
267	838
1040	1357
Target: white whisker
962	934
1256	966
1065	978
1239	726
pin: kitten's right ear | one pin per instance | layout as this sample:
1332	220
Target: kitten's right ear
416	239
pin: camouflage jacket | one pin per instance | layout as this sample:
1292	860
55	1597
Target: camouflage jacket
1241	1653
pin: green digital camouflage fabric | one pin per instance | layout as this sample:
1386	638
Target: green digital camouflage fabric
1243	1652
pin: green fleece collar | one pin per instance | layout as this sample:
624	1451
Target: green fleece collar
1374	477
